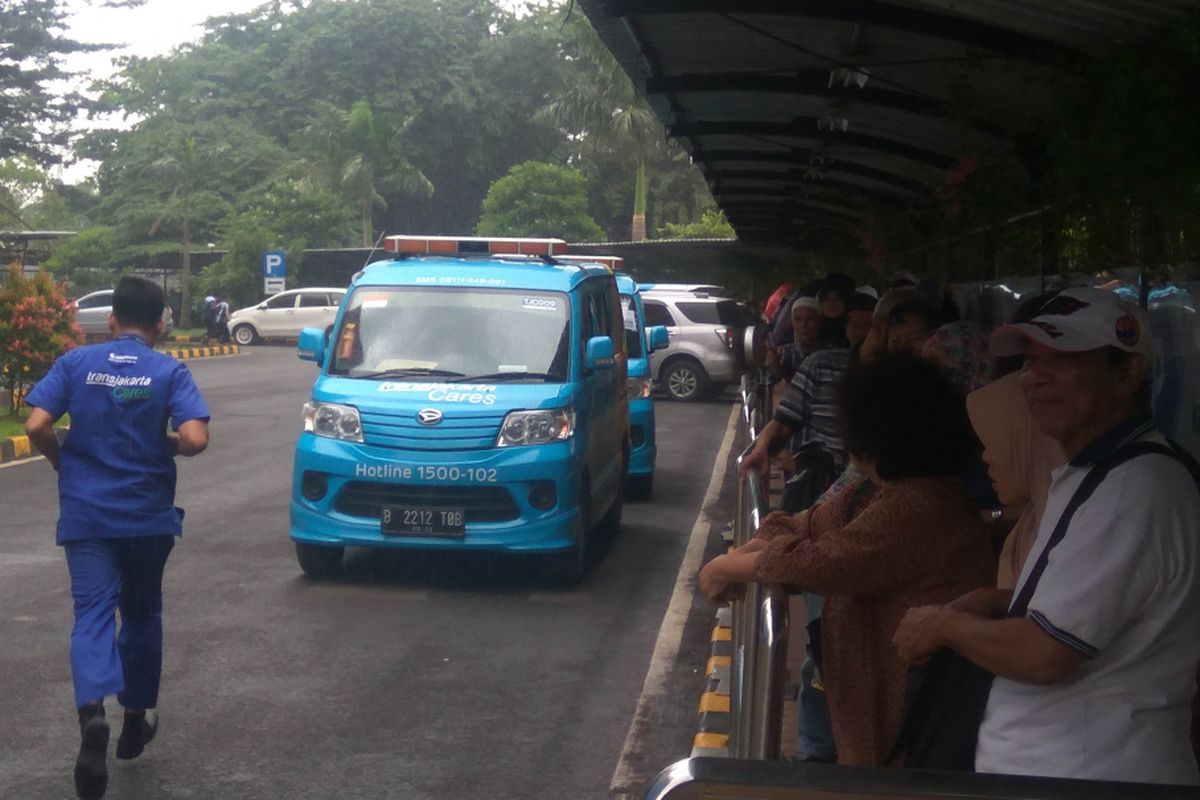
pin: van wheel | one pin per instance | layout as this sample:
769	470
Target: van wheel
685	380
244	335
640	487
319	561
570	566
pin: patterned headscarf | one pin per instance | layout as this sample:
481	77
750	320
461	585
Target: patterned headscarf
961	350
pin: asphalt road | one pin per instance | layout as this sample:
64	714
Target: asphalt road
411	677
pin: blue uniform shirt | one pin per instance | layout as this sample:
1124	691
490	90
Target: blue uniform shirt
116	477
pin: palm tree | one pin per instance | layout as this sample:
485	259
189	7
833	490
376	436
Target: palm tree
601	100
360	155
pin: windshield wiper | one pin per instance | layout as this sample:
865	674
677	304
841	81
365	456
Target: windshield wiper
503	376
407	372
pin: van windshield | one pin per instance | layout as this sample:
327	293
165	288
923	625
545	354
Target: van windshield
454	333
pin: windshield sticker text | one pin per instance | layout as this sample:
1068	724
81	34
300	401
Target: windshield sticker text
540	303
409	386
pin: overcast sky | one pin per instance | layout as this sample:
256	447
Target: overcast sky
151	29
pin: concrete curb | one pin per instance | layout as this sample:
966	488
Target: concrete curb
17	448
714	723
209	351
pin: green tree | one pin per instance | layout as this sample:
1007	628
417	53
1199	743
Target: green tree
542	200
285	217
34	112
359	155
712	225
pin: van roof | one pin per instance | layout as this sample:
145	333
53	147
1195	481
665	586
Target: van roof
485	273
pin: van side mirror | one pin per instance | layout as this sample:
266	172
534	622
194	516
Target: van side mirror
599	353
312	345
660	339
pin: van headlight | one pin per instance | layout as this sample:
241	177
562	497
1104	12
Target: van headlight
639	388
536	427
333	420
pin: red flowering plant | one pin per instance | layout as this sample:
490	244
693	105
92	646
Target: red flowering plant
37	325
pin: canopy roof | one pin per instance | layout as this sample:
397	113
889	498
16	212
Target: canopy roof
801	113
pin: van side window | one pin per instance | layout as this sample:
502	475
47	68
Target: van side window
282	301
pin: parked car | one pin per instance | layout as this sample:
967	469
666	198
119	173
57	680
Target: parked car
704	354
282	316
93	310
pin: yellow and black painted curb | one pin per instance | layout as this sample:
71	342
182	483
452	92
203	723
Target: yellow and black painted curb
714	724
15	448
202	351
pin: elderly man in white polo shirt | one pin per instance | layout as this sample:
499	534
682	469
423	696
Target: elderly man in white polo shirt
1095	679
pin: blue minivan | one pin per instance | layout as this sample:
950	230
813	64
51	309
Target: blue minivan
472	395
640	342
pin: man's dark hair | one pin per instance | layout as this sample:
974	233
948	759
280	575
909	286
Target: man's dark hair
138	303
902	413
920	308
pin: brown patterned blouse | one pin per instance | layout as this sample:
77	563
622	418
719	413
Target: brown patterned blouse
914	542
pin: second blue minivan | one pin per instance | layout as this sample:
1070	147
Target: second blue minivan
472	395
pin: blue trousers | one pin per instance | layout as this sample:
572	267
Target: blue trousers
108	575
813	727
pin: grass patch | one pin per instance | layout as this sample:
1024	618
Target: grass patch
14	424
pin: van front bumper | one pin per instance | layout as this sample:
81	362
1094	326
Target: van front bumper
502	491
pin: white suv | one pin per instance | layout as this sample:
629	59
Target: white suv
705	350
283	315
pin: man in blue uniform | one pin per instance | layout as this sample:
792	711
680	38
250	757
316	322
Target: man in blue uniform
117	516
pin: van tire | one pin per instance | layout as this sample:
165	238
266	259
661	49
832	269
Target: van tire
319	561
685	380
569	567
245	335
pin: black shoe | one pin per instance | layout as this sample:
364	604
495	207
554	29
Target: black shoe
137	732
91	771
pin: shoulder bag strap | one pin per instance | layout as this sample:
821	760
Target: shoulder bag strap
1098	473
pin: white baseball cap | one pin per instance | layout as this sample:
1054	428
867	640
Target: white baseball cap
1077	320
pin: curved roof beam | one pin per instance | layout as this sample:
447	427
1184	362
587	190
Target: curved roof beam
923	22
768	209
806	128
803	158
810	83
721	178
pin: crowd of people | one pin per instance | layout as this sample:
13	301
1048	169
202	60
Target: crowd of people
1000	555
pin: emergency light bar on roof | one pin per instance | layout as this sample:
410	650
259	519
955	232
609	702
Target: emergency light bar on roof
612	263
472	246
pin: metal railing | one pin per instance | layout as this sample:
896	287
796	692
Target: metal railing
759	617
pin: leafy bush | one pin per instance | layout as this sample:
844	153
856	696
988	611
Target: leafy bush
37	326
541	200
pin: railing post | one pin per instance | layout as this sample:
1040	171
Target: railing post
759	617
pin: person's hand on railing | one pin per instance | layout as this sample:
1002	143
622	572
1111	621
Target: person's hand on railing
758	458
725	577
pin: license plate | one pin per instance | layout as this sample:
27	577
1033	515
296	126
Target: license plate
423	521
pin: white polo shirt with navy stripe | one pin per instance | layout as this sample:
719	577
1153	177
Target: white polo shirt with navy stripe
1122	589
